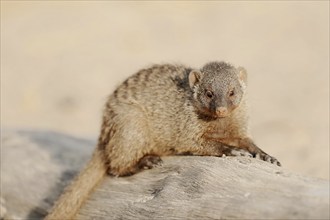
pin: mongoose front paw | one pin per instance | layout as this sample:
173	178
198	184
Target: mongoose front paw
266	157
150	161
240	152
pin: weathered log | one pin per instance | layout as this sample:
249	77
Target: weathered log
35	167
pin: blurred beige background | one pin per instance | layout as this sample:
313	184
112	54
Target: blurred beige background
60	60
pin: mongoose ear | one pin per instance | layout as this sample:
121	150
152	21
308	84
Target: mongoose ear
242	75
194	77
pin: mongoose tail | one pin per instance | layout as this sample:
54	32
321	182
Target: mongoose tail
77	191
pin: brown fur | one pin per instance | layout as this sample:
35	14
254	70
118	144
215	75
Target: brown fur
166	110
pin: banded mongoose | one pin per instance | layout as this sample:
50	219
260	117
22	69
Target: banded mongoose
166	110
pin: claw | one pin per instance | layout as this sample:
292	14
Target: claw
150	161
267	158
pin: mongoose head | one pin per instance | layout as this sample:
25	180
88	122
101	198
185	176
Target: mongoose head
217	88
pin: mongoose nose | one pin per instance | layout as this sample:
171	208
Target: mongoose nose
222	111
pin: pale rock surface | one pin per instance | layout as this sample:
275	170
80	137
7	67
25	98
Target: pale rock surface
36	165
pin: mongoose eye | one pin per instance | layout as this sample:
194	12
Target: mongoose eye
209	94
231	93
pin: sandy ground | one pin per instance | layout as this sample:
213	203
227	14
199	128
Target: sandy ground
60	60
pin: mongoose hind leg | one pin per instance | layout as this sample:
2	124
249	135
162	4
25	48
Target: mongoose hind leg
131	144
145	163
150	161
